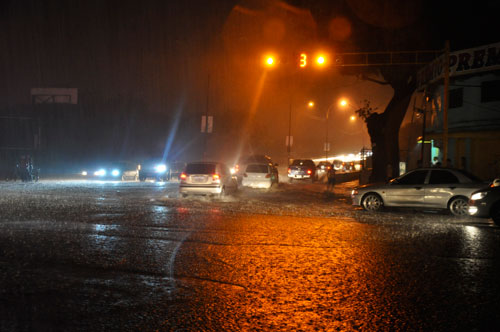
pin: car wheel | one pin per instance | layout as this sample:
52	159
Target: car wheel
459	206
372	202
495	214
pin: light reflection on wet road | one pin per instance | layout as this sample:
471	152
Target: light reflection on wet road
132	256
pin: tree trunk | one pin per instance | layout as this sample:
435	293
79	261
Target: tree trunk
384	133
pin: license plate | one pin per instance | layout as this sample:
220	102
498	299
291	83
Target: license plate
198	179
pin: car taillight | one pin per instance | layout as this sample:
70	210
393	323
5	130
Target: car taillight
215	177
183	176
268	176
289	170
309	171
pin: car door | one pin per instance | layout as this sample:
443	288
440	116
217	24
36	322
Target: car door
407	190
443	185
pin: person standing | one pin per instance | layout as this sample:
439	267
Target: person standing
331	178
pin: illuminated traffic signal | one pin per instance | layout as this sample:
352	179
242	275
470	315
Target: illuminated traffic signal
320	60
303	60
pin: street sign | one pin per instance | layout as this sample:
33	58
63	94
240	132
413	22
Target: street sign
289	141
207	126
327	147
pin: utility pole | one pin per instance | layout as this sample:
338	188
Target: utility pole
445	101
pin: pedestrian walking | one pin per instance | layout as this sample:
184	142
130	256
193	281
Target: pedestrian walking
331	178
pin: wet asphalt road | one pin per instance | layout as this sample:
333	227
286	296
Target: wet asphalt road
104	256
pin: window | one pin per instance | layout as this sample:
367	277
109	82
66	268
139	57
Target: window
490	91
442	177
417	177
200	169
456	98
256	168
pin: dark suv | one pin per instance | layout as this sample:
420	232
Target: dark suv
301	169
485	203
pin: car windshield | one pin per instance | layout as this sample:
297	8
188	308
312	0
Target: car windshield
257	168
302	162
200	168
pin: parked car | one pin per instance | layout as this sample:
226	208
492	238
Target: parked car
434	188
485	203
154	169
260	175
121	170
302	169
207	178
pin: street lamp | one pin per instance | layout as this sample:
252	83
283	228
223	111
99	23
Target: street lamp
327	115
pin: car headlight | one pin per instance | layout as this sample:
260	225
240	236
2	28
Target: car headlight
84	173
160	168
479	195
473	210
100	172
115	172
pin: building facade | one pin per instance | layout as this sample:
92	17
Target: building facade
473	113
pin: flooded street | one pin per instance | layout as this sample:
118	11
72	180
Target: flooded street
127	256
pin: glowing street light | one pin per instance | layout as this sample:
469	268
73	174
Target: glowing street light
311	104
269	61
343	102
353	118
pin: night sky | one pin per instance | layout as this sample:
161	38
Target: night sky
163	64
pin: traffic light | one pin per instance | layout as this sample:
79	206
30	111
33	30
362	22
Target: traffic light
320	60
302	60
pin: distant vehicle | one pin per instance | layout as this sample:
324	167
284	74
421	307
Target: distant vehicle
121	170
348	166
434	188
338	165
207	178
302	169
254	158
154	169
175	169
485	203
260	175
322	168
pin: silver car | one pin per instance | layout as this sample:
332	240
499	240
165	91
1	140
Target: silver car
434	188
207	178
260	176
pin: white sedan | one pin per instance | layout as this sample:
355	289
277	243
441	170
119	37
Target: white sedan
260	176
